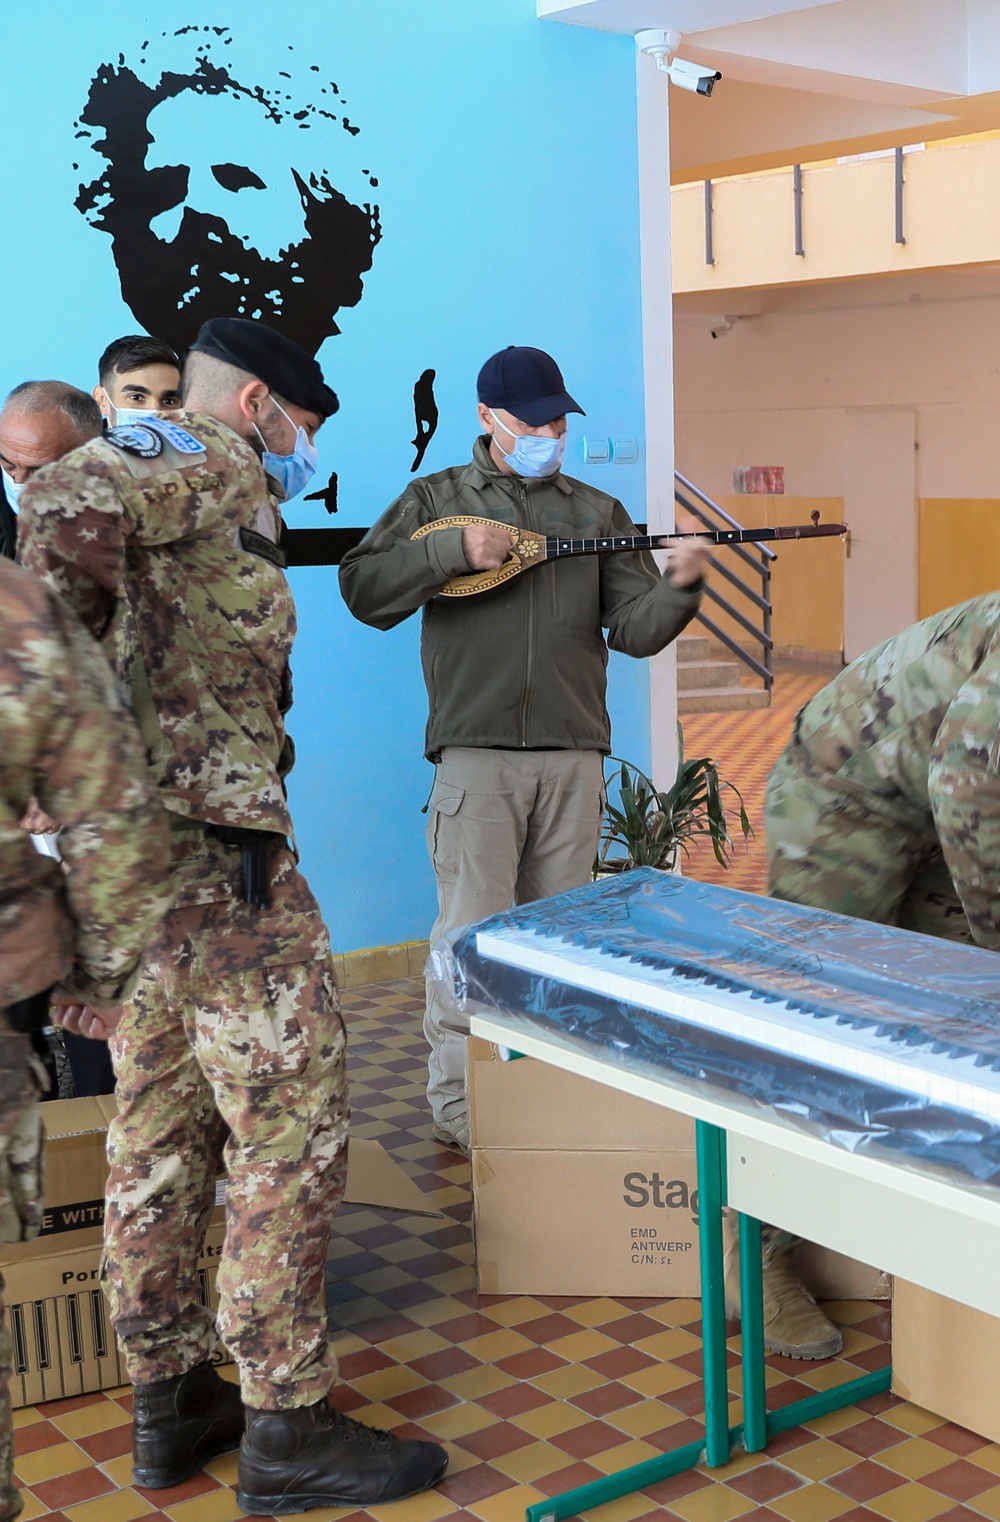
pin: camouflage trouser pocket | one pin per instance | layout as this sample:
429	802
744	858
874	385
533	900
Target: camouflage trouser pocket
252	1031
22	1181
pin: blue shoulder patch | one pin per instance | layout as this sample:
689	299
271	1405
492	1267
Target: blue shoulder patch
176	436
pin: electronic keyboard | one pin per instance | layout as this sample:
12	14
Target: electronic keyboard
875	1033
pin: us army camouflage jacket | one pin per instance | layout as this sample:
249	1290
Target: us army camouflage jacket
68	740
170	555
913	729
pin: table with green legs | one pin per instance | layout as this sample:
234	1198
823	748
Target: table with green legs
931	1229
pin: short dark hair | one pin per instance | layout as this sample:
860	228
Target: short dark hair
131	353
59	396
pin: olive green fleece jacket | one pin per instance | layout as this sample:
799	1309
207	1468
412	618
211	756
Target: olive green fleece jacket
523	666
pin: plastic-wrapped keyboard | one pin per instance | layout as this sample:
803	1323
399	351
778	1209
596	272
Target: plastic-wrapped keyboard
869	1036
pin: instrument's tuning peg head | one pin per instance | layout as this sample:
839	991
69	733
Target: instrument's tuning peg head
814	515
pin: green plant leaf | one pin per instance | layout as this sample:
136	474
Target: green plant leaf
650	826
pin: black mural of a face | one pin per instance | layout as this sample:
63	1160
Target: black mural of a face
206	269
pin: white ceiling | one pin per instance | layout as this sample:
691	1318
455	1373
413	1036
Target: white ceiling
815	77
903	52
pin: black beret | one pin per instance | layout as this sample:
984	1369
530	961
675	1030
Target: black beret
271	357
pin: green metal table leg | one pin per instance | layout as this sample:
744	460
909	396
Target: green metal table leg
711	1149
752	1335
757	1425
815	1406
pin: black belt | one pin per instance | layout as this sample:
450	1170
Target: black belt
256	847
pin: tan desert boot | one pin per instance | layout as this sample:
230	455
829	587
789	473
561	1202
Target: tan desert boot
794	1325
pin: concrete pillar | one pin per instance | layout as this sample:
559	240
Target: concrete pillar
658	374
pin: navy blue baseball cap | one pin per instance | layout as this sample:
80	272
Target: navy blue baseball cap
527	383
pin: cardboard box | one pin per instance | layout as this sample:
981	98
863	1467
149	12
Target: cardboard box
578	1189
56	1311
59	1324
76	1169
581	1190
946	1358
589	1223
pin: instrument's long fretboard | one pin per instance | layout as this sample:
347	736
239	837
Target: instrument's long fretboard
555	548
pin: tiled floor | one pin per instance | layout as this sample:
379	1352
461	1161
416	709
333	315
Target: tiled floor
745	746
535	1395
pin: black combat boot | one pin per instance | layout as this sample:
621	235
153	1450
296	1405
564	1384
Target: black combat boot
312	1456
181	1424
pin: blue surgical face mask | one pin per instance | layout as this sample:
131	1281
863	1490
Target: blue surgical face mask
532	455
125	416
294	471
13	489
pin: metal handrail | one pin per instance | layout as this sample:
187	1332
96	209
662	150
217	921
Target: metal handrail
734	613
757	558
740	552
723	570
727	518
726	639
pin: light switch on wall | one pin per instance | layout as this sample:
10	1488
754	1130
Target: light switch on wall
625	451
596	451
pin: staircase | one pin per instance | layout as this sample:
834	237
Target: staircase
707	683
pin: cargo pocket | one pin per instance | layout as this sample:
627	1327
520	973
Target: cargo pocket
446	800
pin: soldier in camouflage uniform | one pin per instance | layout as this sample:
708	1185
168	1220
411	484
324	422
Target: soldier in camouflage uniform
164	536
68	741
885	805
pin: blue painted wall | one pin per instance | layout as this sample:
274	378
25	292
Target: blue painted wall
505	154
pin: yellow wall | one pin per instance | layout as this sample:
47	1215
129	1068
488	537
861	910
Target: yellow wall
959	550
951	216
807	579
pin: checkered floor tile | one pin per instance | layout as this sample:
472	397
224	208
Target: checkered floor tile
534	1395
745	746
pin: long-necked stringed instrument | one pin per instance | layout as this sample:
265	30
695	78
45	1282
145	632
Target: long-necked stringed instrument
528	549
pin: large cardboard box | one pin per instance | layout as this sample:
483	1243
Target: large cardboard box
578	1190
581	1190
946	1358
59	1325
56	1312
76	1171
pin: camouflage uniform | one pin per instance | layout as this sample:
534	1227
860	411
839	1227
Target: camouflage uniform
67	739
233	1044
886	803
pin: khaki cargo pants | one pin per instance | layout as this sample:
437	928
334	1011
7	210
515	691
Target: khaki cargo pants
505	827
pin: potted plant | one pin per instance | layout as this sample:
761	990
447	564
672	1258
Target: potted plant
649	827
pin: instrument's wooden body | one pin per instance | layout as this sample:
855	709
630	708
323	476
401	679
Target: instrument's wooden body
529	549
526	549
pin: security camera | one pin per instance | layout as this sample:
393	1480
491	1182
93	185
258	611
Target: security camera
692	76
662	45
